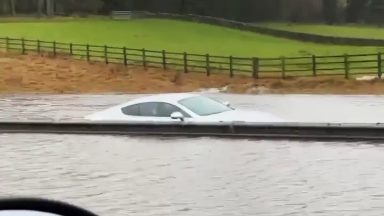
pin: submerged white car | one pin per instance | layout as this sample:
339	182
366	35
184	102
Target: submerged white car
179	107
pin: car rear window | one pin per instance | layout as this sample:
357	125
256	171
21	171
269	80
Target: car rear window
132	110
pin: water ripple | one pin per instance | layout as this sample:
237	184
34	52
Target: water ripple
121	175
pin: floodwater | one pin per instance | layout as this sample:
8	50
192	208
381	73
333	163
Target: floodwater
122	175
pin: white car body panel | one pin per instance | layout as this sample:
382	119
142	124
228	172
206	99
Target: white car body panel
235	115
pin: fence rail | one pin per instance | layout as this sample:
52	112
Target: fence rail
282	67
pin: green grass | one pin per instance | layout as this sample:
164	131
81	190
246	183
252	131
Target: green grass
357	31
176	36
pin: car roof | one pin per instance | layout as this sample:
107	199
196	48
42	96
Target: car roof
167	98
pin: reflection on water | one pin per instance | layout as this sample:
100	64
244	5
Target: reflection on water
121	175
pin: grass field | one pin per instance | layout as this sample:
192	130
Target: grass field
176	36
357	31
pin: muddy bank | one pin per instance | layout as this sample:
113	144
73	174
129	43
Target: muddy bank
44	74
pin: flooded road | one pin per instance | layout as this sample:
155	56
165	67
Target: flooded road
301	108
120	175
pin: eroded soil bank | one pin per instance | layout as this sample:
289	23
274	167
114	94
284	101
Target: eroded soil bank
43	74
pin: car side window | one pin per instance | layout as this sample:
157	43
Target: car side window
132	110
148	109
165	110
152	109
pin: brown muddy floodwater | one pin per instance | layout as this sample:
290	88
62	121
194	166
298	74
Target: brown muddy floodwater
121	175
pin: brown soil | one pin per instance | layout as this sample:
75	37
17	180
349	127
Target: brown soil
45	74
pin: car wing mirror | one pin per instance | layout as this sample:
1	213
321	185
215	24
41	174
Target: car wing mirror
226	103
177	116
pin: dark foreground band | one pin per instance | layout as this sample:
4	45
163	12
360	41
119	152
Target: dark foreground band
305	131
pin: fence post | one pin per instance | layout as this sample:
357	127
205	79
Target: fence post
379	65
54	48
346	66
185	62
314	65
283	67
255	66
164	60
231	66
22	46
207	65
38	46
106	54
7	44
144	59
125	56
88	57
71	49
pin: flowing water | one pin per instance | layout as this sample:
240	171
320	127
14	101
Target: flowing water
121	175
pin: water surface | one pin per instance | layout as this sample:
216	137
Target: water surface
122	175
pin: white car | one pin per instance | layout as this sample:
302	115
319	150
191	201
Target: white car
179	107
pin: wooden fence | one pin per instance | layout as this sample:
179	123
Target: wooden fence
282	67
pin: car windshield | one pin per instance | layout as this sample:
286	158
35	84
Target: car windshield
204	106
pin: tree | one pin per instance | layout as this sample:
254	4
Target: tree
330	11
183	5
301	10
355	10
12	7
376	11
141	5
40	7
4	7
82	7
110	5
376	6
50	8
